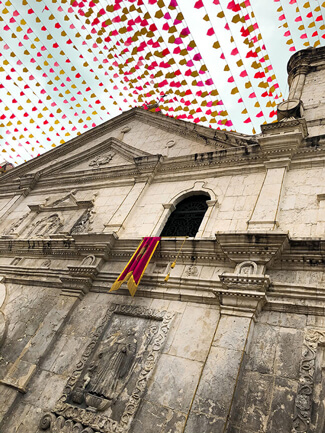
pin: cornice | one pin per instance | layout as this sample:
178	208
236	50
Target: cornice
196	132
280	296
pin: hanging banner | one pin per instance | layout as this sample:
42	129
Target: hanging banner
138	263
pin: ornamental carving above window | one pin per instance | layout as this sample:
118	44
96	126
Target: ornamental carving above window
187	217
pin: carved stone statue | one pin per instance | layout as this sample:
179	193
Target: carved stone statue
83	224
45	226
111	369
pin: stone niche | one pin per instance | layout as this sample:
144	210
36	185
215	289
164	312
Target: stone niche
106	388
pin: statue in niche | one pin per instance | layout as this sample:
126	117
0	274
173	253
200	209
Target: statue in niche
83	223
88	261
45	226
246	268
109	372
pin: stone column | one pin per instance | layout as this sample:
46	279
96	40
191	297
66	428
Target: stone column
241	298
297	82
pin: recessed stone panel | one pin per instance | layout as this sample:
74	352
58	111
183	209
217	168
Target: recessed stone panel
108	383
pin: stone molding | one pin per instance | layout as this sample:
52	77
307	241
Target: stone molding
260	247
60	424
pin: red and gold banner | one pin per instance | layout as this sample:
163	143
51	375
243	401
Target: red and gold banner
138	263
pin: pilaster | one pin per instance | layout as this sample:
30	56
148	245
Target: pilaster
241	297
279	142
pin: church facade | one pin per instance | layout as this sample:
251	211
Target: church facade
233	341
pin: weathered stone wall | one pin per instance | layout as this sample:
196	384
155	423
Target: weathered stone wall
267	390
227	343
171	388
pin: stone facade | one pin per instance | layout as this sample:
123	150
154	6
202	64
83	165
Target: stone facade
234	341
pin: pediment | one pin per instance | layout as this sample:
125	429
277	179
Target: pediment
67	202
110	153
132	136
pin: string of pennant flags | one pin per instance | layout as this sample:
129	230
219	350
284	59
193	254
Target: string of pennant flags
67	66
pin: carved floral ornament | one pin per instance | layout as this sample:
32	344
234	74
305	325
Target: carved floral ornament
104	392
304	398
101	160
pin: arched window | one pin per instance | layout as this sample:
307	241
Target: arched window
187	217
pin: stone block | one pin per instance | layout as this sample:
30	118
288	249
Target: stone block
284	320
232	332
162	419
45	389
65	355
174	382
262	349
199	423
217	383
29	422
7	397
288	353
258	400
195	332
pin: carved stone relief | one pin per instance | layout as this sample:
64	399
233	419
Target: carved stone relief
106	388
15	226
101	160
304	398
83	224
192	271
45	226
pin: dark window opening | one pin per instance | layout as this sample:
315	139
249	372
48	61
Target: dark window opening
187	217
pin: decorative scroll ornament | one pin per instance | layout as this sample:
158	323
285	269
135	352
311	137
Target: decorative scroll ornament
303	402
105	390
